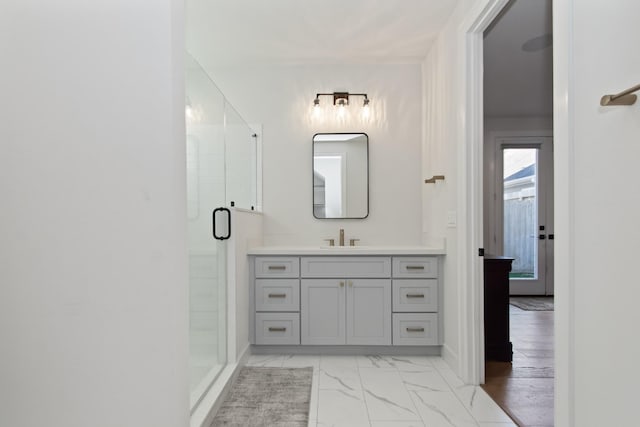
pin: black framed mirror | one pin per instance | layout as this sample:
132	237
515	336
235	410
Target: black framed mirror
340	175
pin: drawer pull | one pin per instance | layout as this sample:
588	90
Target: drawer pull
274	329
277	267
415	329
277	295
415	295
415	267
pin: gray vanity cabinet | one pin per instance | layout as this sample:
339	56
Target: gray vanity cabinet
276	298
415	301
346	311
345	300
368	300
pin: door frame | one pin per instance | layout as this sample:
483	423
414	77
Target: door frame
470	303
469	200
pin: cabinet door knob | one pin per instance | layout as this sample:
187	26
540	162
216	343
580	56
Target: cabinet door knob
415	295
277	267
415	329
277	295
272	329
415	267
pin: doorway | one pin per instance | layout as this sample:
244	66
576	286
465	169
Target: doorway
518	199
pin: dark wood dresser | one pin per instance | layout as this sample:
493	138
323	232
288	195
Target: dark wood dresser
497	345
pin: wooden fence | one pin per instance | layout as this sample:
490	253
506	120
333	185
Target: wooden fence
520	235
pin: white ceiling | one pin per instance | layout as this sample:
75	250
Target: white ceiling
236	32
519	83
230	32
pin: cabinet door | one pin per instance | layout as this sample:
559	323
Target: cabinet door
368	311
322	311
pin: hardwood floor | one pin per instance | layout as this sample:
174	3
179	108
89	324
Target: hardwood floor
524	388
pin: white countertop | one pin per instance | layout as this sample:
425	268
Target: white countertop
346	250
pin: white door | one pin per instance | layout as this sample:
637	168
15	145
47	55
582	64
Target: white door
369	311
597	154
524	212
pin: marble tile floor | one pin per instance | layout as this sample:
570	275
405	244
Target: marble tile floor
390	391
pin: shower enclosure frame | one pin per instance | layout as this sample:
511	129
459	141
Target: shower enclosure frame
222	173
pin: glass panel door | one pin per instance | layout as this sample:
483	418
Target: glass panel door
520	217
204	113
221	172
526	213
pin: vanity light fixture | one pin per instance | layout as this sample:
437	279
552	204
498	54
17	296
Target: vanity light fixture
341	99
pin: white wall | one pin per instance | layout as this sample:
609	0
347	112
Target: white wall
93	266
246	233
596	151
597	210
281	97
442	141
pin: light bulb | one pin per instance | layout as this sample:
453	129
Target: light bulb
365	111
316	111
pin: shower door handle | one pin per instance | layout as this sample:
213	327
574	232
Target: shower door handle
213	220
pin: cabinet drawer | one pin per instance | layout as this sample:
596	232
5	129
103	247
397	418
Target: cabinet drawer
277	266
408	267
345	266
277	295
415	295
415	329
278	328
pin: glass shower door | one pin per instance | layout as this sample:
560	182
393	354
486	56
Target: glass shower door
221	172
206	187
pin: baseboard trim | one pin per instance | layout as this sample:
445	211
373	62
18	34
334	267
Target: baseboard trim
451	358
244	355
206	411
347	350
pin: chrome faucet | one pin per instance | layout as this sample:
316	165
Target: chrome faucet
342	237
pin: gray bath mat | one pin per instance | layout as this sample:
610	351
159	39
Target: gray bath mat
267	397
532	303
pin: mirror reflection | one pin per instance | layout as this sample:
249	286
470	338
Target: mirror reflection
340	175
